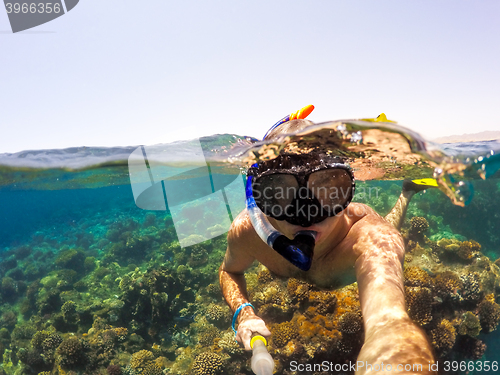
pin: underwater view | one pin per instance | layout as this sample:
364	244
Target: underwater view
109	257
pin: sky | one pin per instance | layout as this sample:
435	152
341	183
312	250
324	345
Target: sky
122	72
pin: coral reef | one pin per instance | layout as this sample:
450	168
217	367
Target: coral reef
117	294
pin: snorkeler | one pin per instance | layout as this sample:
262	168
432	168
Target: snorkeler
297	228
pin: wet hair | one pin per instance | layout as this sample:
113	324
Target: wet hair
297	162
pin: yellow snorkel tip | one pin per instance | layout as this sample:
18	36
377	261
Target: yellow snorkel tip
380	118
302	113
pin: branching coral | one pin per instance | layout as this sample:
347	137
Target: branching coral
350	323
324	301
207	364
419	301
298	290
489	315
443	337
282	333
141	359
71	352
273	302
229	344
217	313
264	276
415	276
447	285
471	287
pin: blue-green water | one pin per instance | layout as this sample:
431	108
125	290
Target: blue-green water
91	283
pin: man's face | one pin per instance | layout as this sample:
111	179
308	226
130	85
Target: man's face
302	190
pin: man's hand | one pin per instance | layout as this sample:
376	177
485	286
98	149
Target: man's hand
247	327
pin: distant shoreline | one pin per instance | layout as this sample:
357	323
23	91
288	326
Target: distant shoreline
475	137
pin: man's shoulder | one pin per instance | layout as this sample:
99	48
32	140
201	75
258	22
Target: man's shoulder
359	211
242	229
364	218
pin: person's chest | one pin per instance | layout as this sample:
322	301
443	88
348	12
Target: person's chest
334	269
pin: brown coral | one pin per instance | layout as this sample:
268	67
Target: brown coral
350	322
489	315
114	370
207	335
152	368
217	313
419	301
415	276
298	290
207	364
70	352
38	338
141	359
283	332
443	337
447	285
419	225
264	276
324	301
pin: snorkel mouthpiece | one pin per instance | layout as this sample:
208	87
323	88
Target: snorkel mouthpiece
298	251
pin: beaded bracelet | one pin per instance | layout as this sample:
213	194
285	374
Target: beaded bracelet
235	316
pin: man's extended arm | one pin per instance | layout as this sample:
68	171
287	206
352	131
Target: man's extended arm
390	335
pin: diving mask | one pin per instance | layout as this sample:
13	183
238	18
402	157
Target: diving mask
302	189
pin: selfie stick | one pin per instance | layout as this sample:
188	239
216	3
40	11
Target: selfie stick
262	362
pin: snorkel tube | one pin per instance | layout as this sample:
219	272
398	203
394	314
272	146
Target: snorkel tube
298	251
